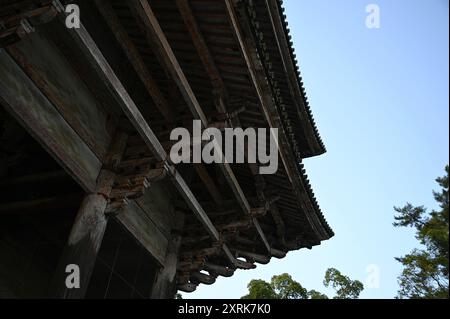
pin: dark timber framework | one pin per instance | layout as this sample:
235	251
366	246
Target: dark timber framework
138	69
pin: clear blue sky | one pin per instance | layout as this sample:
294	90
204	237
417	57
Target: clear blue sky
380	99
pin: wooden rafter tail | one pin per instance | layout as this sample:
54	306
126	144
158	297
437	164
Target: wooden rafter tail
188	287
262	259
218	269
202	278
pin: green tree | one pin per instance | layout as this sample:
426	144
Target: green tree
284	287
287	288
425	273
260	289
344	286
313	294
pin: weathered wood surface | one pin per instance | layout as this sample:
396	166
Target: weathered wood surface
201	47
30	107
135	59
82	247
97	60
144	230
89	227
165	285
218	270
142	11
210	184
50	71
155	35
157	205
202	278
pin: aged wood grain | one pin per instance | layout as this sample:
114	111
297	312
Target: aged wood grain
24	101
144	230
50	71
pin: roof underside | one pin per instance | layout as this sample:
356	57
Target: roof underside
299	221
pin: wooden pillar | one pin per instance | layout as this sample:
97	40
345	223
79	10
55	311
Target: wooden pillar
165	286
88	229
82	247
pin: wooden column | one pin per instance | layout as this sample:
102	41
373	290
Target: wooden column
165	286
88	229
82	247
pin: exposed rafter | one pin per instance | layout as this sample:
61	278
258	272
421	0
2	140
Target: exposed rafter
135	59
140	67
218	83
99	63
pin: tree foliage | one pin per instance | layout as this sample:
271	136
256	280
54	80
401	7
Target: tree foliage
425	273
344	286
314	294
260	289
284	287
287	288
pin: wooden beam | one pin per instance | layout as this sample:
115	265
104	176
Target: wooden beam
98	61
39	58
279	223
219	85
201	46
192	202
144	230
209	183
145	15
142	11
232	223
23	99
135	58
88	229
260	186
23	20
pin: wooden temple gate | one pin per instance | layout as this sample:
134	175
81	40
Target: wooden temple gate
102	100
